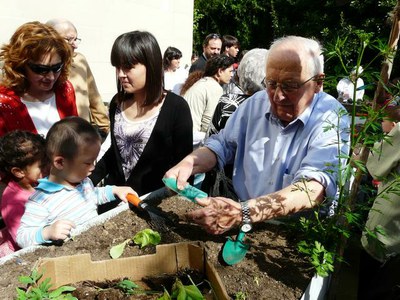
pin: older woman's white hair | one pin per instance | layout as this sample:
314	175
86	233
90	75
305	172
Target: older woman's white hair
251	70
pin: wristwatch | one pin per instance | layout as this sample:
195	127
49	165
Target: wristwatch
246	225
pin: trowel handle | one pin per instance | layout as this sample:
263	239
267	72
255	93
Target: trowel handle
189	192
133	199
240	236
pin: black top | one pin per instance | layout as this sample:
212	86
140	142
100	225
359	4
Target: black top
199	64
170	141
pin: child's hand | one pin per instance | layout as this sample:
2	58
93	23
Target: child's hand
122	191
59	230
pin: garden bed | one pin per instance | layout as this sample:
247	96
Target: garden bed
272	268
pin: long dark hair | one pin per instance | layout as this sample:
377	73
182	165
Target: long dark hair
140	47
212	66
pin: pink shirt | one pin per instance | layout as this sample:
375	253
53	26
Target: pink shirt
12	208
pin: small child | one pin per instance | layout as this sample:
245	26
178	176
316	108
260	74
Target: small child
67	198
379	276
21	158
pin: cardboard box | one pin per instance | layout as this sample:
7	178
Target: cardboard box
168	259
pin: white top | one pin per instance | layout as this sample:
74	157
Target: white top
131	138
173	81
345	89
43	113
202	98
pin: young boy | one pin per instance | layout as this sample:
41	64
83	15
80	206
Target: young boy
21	158
67	198
380	262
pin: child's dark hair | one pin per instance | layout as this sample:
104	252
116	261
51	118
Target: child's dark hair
67	135
19	149
170	54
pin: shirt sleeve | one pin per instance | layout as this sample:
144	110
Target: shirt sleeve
385	155
32	223
196	97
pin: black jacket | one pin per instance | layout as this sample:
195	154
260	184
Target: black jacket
170	141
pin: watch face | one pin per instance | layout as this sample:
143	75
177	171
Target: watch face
246	227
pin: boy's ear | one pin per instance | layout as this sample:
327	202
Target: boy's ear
58	162
18	172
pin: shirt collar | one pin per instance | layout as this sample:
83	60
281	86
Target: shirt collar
304	117
49	186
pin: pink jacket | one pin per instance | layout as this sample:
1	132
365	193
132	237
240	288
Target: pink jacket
14	114
12	208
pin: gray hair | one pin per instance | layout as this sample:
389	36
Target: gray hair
251	70
61	25
306	46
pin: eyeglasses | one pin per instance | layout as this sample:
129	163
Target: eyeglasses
72	40
44	70
287	87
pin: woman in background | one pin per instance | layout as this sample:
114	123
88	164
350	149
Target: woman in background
34	90
174	76
202	91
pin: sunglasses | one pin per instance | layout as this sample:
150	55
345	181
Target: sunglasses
44	70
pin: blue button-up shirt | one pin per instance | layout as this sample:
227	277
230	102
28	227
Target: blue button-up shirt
268	156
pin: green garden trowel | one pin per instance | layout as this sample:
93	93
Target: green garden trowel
189	192
233	251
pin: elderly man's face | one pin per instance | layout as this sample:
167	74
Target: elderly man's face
290	85
213	48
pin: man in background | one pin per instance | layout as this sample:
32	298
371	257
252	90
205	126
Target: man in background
88	100
211	47
230	45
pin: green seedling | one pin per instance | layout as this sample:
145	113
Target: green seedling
144	238
131	288
36	290
240	296
189	292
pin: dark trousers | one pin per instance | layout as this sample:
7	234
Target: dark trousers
377	280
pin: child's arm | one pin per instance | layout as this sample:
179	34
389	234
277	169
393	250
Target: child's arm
34	229
59	230
107	193
122	191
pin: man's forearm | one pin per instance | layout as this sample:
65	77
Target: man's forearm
294	198
203	160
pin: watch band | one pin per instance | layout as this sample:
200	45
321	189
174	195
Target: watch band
245	212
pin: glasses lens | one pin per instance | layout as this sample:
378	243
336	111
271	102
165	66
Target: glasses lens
43	70
71	40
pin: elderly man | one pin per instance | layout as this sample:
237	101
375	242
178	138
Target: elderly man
285	160
88	101
211	47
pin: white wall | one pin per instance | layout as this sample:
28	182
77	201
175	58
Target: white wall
100	22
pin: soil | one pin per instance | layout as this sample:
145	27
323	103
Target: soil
271	269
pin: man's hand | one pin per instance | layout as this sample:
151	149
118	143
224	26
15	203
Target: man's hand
181	172
218	214
59	230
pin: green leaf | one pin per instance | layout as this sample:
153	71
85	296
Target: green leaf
21	294
185	292
165	296
45	285
25	279
127	286
61	290
147	237
116	251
